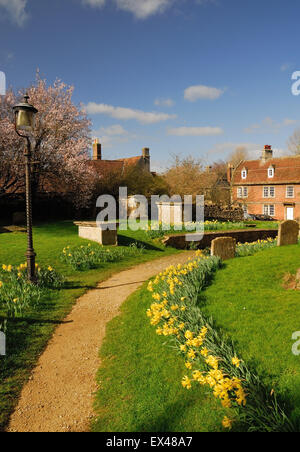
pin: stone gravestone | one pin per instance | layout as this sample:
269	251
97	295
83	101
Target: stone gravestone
104	232
170	213
288	233
223	247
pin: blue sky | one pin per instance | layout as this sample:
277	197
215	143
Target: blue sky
197	77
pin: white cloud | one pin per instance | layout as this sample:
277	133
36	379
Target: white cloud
269	125
160	102
226	148
94	3
254	150
196	92
141	9
113	135
16	10
195	131
115	130
144	8
143	117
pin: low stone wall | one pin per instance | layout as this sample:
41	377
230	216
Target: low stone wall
241	236
214	212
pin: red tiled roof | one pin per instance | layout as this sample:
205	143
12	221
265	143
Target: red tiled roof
131	160
104	166
287	170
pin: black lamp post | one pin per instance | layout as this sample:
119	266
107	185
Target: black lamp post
24	122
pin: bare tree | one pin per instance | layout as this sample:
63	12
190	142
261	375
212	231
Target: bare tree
239	154
184	176
294	142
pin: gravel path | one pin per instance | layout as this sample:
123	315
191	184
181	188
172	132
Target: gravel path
59	395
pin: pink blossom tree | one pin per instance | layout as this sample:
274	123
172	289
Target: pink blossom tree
60	144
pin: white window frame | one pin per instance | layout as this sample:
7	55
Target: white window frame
267	192
267	210
245	192
271	172
240	192
245	209
273	207
244	174
287	191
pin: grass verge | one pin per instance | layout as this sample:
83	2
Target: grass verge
140	380
28	336
146	374
249	302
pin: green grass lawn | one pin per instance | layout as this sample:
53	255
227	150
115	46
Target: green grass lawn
140	377
248	300
27	337
140	380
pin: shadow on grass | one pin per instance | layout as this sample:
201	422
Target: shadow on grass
36	321
165	422
127	241
121	285
70	285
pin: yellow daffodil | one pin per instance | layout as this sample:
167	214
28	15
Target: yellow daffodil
236	362
227	423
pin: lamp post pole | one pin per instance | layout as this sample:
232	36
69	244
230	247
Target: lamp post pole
30	254
24	121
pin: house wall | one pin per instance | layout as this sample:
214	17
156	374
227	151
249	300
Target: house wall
255	200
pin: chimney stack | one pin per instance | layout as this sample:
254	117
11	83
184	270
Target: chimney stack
146	157
230	169
97	152
267	153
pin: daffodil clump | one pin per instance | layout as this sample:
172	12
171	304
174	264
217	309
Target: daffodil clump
160	229
86	257
211	360
248	249
17	294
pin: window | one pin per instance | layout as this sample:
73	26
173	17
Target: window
269	192
242	192
245	209
244	174
269	209
290	192
271	172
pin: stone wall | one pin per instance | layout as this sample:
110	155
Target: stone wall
241	236
215	212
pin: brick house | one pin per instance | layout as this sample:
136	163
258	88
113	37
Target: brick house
267	186
104	166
